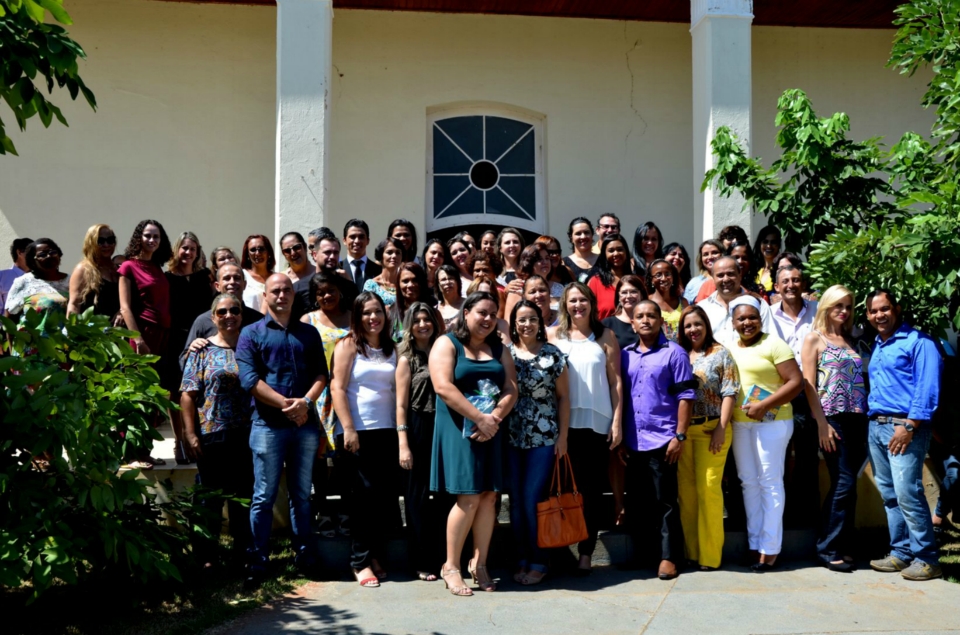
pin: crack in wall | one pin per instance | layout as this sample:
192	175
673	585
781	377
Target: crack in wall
633	80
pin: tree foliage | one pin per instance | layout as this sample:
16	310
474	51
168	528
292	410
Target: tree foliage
33	51
867	216
77	394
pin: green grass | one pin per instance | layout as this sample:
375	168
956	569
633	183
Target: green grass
122	607
950	554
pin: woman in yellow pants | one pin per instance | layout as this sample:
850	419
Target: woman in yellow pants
708	439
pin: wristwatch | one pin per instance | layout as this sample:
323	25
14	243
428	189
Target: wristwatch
309	402
681	436
909	427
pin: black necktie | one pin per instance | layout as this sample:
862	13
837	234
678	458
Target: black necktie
357	272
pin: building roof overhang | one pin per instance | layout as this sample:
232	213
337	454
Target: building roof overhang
862	14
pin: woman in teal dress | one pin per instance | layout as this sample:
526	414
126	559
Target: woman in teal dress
470	468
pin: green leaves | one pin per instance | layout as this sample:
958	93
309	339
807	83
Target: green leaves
30	48
76	389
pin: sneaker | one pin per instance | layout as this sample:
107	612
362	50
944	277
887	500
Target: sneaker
890	564
921	571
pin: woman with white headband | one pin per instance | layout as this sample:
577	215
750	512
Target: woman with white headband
762	426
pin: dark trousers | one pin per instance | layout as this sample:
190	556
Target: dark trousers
370	476
802	487
653	507
589	456
946	460
838	515
228	466
426	511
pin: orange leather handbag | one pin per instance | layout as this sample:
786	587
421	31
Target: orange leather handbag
560	520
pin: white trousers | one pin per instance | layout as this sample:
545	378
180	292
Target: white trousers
760	450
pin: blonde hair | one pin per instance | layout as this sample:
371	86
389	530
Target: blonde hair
89	267
199	262
828	300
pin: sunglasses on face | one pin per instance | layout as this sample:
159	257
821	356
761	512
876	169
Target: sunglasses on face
234	310
553	252
107	240
44	255
290	250
257	250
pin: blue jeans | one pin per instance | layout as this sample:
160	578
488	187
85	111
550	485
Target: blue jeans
900	481
836	538
530	471
272	448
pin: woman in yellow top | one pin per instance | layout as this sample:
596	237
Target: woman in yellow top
765	252
663	285
762	426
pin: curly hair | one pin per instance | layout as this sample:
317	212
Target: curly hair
482	256
135	246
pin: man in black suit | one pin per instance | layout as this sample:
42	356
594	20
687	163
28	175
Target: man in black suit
325	251
359	268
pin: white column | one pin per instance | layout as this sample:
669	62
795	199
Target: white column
721	97
304	58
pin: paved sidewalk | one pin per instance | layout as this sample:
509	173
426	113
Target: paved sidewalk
797	599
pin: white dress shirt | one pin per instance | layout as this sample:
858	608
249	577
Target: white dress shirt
722	324
791	331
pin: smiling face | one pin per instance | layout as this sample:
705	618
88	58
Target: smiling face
628	297
422	328
488	243
481	319
675	258
392	257
409	287
149	240
770	246
258	251
187	254
741	254
328	298
578	305
372	317
649	243
883	315
356	241
536	291
460	255
582	237
662	276
293	250
746	322
227	316
404	235
230	279
510	246
616	254
608	226
727	276
709	255
790	285
527	324
434	256
839	313
554	253
695	329
106	243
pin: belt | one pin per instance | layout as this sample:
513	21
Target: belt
699	421
893	420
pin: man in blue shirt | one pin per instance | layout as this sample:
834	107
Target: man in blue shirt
904	372
658	396
282	365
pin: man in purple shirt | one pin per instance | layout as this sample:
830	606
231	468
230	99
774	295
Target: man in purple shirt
658	396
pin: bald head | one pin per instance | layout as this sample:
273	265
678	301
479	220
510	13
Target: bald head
279	294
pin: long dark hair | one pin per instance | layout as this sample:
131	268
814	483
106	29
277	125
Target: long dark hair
135	246
758	258
408	344
356	325
246	263
426	248
460	330
387	242
421	278
577	221
451	271
682	338
564	321
504	232
685	274
541	329
562	272
747	280
638	237
604	272
411	254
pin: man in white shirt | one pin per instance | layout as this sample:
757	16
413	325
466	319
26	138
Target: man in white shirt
18	251
793	318
726	273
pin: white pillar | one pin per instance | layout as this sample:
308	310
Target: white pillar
721	97
304	58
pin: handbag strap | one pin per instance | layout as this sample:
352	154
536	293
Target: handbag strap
556	482
569	465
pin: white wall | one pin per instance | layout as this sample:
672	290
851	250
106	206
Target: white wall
186	127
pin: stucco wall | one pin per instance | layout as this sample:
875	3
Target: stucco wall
185	131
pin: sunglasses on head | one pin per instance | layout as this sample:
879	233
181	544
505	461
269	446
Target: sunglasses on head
107	240
234	310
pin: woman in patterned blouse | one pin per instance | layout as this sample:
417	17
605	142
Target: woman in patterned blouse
216	422
710	434
537	431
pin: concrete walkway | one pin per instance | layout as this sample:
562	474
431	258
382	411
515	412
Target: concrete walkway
797	599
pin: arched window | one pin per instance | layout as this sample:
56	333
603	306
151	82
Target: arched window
484	166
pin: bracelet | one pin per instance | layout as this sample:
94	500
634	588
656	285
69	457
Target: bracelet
401	428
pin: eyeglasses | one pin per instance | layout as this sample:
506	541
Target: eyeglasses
50	253
108	240
290	250
610	227
257	250
234	310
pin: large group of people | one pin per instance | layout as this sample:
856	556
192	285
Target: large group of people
471	365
